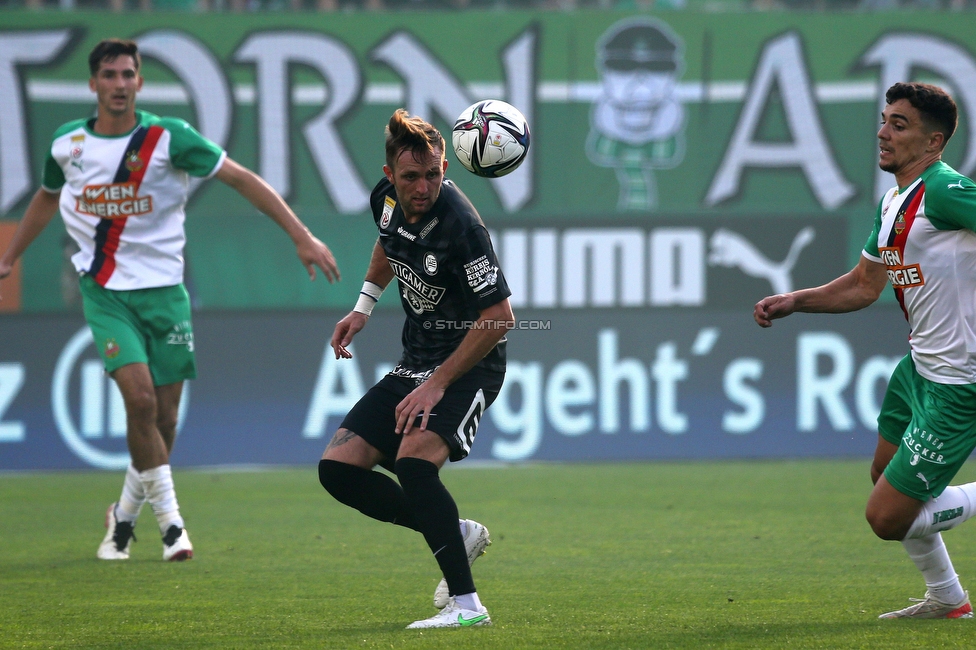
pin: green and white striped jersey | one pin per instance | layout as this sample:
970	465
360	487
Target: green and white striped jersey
123	197
924	235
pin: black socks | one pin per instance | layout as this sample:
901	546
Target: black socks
374	494
436	515
422	504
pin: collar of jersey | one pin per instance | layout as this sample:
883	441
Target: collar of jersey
89	124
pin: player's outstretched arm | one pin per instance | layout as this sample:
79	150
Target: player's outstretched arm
854	290
311	251
40	211
378	275
488	330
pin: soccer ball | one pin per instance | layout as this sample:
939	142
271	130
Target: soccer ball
491	138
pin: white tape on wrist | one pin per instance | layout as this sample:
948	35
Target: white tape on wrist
369	295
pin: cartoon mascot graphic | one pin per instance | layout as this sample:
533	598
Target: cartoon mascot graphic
637	123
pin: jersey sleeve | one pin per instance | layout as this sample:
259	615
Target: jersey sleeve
377	199
870	249
950	202
191	152
52	177
480	273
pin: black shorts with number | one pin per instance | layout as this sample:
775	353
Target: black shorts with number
455	418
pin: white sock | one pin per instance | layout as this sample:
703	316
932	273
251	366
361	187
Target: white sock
951	508
158	483
133	496
472	602
931	557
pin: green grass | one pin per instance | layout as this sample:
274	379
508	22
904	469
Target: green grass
651	555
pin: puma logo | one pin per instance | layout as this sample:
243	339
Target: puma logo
731	249
957	185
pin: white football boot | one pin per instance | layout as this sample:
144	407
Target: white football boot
118	537
475	543
452	615
929	607
176	545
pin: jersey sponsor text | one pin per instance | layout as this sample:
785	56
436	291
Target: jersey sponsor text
906	277
113	201
900	276
427	295
481	273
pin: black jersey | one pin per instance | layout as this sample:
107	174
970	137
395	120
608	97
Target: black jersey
447	274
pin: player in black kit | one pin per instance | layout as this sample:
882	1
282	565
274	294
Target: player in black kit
427	409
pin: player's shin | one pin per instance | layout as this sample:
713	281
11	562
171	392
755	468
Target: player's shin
133	496
932	559
437	517
161	494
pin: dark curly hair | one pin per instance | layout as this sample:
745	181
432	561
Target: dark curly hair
936	107
411	133
109	50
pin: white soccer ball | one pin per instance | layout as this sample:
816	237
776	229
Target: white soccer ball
491	138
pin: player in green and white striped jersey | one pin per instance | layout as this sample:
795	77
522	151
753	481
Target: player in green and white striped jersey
120	182
924	244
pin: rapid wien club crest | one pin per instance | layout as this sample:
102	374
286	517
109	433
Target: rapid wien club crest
133	162
900	223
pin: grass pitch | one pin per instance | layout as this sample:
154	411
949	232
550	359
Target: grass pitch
653	555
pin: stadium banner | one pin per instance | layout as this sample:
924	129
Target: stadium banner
636	117
613	384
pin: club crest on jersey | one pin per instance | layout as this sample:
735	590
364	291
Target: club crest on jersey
388	205
111	349
900	223
430	264
133	162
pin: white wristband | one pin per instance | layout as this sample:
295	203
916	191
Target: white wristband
369	295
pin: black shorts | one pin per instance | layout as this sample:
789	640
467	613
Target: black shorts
455	418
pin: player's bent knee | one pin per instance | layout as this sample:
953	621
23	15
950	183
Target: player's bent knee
341	480
331	475
886	527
